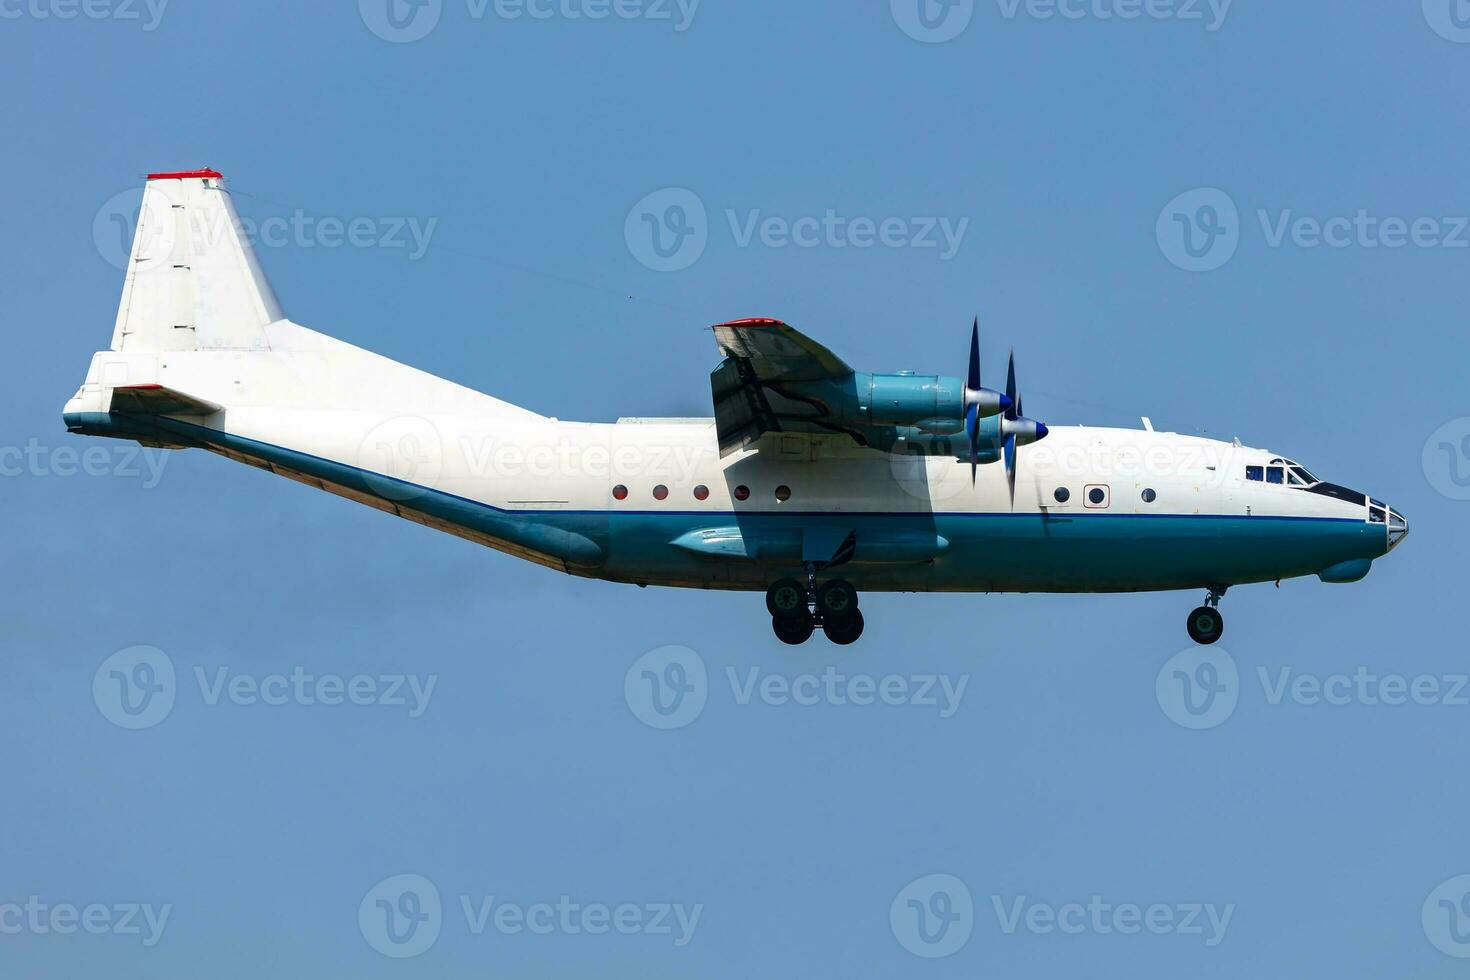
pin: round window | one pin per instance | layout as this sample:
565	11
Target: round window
1062	495
1149	496
620	492
742	492
783	493
701	492
1096	495
660	492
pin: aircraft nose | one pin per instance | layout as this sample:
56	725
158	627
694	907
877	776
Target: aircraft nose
1398	528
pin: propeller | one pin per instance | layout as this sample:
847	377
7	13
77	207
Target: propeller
1015	428
979	402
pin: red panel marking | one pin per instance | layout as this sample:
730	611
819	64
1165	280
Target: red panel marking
185	174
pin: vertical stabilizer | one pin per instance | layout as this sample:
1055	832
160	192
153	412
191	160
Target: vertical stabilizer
193	282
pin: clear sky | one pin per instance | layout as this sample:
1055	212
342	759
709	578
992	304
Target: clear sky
1079	827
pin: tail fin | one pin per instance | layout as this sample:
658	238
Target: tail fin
193	282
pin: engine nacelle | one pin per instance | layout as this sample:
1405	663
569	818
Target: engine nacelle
932	403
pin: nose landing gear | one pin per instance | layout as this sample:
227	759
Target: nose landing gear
1205	624
797	610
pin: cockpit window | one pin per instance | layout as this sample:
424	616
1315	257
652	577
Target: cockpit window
1275	474
1304	473
1293	479
1256	473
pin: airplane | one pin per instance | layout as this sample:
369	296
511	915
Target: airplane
812	482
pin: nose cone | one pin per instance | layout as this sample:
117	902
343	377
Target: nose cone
1398	528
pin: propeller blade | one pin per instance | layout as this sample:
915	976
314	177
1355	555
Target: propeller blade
1010	453
973	380
972	430
1012	411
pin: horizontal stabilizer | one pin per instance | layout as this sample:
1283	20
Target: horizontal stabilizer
158	400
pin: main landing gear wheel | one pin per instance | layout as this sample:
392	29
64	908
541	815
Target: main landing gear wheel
785	598
1205	625
796	628
837	599
844	630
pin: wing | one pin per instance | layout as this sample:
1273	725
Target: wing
774	379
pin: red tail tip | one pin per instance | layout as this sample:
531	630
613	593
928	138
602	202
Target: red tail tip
184	174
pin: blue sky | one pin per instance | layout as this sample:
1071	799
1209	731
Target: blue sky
1295	143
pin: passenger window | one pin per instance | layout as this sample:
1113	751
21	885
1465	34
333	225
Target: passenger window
1256	473
1274	474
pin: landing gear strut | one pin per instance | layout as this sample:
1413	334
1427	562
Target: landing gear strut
1205	624
798	609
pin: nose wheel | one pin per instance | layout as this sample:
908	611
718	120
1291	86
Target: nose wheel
798	610
1205	624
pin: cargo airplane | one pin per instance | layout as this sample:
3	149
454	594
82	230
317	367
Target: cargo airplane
812	482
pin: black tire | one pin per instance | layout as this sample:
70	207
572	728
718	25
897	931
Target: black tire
845	630
837	599
786	597
1205	625
794	630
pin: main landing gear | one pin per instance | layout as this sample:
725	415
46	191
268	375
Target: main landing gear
797	609
1206	624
